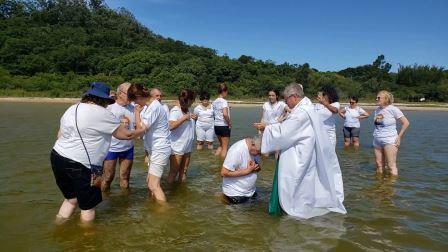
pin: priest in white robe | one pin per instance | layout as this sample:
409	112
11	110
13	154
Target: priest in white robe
309	176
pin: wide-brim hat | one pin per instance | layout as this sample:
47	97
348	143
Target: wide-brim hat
99	89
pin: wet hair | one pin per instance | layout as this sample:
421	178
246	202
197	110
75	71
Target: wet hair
387	96
222	88
185	96
204	96
276	92
256	141
330	92
136	90
355	98
97	100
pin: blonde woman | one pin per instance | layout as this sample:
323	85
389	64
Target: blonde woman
386	139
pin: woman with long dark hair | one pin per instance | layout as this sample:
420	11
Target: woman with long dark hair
156	138
181	123
328	108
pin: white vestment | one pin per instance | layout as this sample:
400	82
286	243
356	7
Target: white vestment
309	176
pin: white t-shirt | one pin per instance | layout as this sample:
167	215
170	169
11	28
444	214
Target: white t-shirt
96	125
328	118
238	157
272	112
157	136
386	121
218	106
351	116
166	109
122	113
205	116
183	136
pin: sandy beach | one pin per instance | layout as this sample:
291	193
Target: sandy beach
234	103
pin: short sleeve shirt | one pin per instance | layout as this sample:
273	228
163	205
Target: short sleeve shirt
385	121
238	157
271	112
126	115
351	116
205	116
157	136
328	118
96	125
218	110
182	136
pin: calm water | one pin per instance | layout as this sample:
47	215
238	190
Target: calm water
410	213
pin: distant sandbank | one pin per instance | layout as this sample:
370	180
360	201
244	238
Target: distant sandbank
234	103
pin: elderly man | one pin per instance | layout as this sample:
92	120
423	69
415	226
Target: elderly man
309	176
120	150
156	94
239	170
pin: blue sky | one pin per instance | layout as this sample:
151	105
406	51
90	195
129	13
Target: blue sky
329	35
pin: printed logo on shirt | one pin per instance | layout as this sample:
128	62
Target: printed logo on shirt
379	120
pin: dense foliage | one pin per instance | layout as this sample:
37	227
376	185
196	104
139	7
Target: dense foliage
56	47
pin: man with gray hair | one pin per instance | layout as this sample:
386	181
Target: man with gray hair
309	179
239	170
120	150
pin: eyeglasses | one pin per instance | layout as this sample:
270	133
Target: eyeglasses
123	92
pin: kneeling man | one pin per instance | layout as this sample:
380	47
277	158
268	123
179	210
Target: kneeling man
239	170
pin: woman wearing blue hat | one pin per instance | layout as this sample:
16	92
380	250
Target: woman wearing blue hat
83	141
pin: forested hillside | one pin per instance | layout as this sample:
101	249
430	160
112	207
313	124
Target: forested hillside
56	47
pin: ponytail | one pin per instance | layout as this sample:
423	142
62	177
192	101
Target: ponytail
185	97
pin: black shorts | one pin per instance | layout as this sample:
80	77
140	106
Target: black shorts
350	132
73	179
239	199
222	131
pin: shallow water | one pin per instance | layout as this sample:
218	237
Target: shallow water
410	213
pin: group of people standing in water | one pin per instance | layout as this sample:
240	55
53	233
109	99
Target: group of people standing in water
98	133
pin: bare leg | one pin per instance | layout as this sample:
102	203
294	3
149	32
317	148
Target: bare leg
225	146
379	160
66	210
108	174
219	149
347	142
210	145
125	172
200	145
155	188
175	163
146	159
356	141
390	152
87	215
184	167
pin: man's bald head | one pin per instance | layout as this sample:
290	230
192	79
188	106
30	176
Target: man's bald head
156	93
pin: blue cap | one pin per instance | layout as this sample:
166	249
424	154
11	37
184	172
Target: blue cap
99	89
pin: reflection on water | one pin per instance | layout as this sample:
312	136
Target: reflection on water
408	213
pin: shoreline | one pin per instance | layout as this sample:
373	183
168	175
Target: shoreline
234	103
